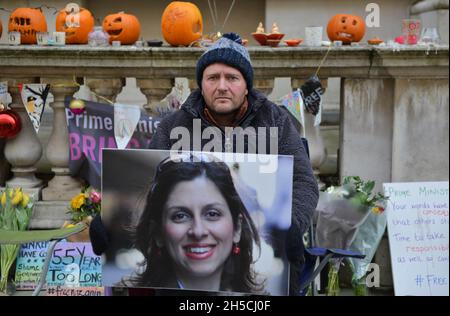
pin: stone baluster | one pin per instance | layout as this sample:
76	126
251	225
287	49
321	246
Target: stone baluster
24	150
62	186
317	150
155	90
264	85
106	88
192	83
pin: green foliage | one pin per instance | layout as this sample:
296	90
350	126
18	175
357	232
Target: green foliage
15	213
360	193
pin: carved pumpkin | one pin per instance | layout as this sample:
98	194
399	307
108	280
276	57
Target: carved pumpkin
28	22
76	29
346	28
9	124
122	27
181	23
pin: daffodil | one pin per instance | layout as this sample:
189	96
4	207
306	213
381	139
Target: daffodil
15	214
17	197
25	200
3	200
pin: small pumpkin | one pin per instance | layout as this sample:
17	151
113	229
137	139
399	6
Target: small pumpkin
76	31
346	28
122	27
9	124
181	23
28	22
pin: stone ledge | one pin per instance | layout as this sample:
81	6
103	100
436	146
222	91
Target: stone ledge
169	62
49	215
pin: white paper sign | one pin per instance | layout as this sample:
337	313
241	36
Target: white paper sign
126	118
418	227
14	38
35	96
3	93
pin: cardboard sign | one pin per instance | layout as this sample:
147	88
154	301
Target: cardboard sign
418	227
29	264
92	129
72	265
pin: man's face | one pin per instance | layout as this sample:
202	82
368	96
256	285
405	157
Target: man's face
223	88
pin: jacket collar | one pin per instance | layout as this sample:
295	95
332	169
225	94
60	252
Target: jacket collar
195	104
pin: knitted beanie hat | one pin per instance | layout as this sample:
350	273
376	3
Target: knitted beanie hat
229	51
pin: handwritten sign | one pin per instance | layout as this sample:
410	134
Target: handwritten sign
75	291
29	264
418	227
72	265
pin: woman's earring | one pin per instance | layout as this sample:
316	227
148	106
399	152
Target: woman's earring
236	249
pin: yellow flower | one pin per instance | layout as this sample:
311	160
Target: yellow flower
25	200
17	198
77	201
377	209
3	200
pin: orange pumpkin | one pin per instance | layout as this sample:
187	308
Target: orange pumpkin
28	22
181	23
122	27
346	28
76	29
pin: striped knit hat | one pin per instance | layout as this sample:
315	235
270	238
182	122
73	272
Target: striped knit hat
229	51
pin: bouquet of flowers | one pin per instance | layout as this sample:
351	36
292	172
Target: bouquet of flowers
85	204
15	213
341	211
83	208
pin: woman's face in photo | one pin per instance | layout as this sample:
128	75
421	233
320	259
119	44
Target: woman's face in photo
198	230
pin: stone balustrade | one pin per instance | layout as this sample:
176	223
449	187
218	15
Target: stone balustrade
376	82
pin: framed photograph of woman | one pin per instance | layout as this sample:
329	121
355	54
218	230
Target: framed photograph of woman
197	221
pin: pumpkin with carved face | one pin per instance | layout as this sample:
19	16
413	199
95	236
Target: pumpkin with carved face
28	22
77	26
181	23
346	28
122	27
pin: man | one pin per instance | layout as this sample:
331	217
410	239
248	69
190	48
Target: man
227	105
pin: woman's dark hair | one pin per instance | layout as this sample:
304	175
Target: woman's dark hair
237	275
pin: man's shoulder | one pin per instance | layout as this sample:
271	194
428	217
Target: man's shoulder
271	114
267	106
